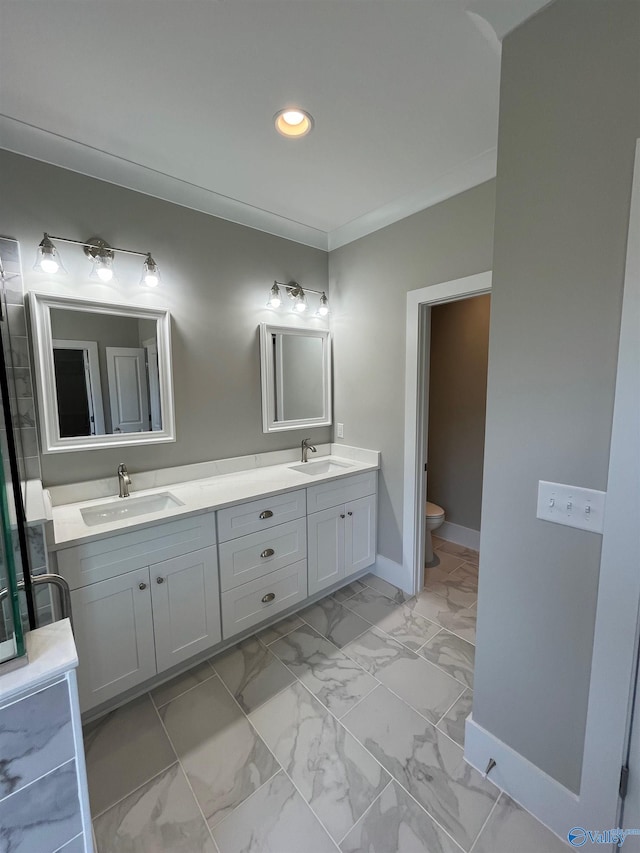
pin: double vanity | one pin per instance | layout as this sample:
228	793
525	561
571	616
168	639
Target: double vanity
176	572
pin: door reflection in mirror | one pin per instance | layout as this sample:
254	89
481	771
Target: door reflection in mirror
106	373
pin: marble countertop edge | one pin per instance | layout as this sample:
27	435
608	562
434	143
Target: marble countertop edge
199	496
51	653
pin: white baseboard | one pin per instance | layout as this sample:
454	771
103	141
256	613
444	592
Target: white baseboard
551	803
393	572
466	536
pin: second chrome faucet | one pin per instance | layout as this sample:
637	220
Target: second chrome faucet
124	480
306	447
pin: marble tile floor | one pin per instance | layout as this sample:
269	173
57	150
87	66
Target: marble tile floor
338	729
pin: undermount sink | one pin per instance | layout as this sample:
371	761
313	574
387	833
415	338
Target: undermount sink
322	466
128	508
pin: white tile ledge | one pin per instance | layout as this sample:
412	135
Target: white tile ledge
201	488
51	653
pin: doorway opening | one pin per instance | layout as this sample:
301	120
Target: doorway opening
455	399
418	338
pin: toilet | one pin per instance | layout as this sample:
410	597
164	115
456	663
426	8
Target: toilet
434	516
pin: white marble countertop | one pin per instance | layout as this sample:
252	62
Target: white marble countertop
202	494
51	653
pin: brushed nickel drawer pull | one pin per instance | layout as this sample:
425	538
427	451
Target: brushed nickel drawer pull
266	513
142	585
268	597
349	513
268	552
341	515
159	579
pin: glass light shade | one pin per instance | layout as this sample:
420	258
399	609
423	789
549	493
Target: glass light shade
104	267
300	304
323	308
275	298
47	258
150	272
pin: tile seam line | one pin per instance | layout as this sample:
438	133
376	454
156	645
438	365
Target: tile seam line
135	790
368	809
188	689
284	769
398	782
38	779
495	806
186	777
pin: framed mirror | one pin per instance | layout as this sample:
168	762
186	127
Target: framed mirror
296	377
103	373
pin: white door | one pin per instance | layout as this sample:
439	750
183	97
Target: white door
153	379
113	629
326	547
360	535
186	606
128	393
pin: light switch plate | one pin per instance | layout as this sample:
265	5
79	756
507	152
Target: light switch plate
571	505
340	430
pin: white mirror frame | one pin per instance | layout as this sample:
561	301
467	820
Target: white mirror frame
268	377
41	304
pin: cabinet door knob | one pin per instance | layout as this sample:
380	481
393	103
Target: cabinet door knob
266	513
341	515
268	597
349	513
159	580
268	552
142	585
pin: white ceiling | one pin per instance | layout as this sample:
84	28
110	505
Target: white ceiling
176	98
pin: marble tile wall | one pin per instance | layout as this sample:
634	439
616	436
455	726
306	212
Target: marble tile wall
20	375
39	803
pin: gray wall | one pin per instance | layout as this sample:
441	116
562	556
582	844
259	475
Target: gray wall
215	281
569	117
457	398
369	281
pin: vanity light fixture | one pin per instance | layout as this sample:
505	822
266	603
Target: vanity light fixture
299	296
101	255
293	122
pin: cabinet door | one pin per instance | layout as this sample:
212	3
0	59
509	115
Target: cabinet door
360	534
113	629
186	606
325	537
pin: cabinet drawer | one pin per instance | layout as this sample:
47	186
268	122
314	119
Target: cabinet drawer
261	514
244	607
125	552
325	495
258	554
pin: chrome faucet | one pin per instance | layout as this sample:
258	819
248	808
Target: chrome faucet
124	480
306	447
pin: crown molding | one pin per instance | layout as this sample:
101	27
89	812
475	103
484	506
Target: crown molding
22	138
465	176
31	141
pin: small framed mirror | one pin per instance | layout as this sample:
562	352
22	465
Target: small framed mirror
296	377
103	373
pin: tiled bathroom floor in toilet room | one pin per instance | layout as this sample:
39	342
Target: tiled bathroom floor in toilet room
338	729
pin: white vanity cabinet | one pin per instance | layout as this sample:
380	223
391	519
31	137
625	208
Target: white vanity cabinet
263	559
342	533
147	614
145	601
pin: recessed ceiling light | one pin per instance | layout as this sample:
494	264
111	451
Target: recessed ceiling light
293	122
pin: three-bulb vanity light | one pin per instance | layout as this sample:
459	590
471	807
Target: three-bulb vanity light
100	253
299	297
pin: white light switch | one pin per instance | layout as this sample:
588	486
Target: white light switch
571	505
340	430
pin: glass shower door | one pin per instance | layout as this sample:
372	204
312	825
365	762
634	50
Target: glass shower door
12	647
